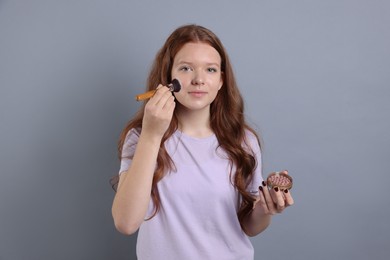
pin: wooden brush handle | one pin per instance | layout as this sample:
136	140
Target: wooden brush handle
144	96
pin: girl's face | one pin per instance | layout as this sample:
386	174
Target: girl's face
198	68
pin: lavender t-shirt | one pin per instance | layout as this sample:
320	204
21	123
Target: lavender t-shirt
198	216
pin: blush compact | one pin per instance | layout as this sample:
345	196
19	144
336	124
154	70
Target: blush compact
279	179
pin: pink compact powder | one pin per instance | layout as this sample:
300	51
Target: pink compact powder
279	179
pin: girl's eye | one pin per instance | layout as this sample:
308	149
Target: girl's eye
212	70
185	68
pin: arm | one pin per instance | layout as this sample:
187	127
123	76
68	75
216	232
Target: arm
132	198
257	220
133	194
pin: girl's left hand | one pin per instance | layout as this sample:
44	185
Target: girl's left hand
273	201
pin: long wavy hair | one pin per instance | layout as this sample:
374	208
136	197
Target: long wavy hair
226	117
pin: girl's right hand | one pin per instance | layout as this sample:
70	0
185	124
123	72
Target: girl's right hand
158	113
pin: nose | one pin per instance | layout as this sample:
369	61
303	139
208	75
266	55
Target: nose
198	79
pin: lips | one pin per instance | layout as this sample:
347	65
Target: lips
197	93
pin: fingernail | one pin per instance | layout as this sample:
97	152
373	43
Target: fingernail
276	189
286	191
264	184
260	188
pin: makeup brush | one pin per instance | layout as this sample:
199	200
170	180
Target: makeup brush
174	86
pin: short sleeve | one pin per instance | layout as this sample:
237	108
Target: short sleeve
128	149
253	143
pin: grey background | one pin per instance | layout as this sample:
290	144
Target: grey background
315	77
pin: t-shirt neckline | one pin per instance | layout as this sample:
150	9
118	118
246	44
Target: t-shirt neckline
180	134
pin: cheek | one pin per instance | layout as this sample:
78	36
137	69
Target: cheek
178	95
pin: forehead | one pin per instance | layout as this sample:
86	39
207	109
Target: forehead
198	51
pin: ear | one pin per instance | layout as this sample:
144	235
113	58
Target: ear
221	81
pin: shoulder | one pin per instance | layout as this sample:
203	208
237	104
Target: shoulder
133	133
251	135
252	140
132	137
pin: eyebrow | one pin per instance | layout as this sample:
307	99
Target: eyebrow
208	63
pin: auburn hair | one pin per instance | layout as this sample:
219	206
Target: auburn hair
226	117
